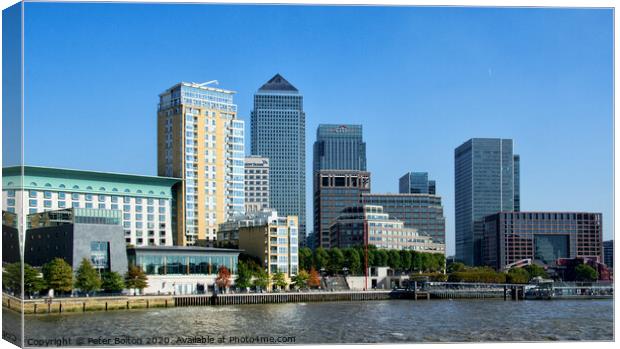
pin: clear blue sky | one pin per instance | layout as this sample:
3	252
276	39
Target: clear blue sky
421	81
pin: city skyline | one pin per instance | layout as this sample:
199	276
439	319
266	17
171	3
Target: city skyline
539	100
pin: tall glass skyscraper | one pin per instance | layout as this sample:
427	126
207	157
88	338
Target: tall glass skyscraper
200	139
279	134
339	147
484	176
416	183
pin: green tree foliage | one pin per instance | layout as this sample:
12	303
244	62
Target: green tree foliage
381	258
12	279
306	260
86	277
336	260
112	281
394	259
584	272
321	258
244	275
456	266
279	280
58	275
135	278
353	261
301	279
261	280
536	270
479	274
517	276
406	259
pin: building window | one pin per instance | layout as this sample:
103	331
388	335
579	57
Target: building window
61	196
11	193
47	194
62	204
47	203
32	203
75	196
32	193
99	255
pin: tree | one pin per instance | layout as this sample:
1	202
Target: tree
12	277
405	259
536	271
261	279
353	260
321	258
314	279
279	280
223	278
244	276
456	267
135	278
58	275
584	272
86	277
112	281
394	259
381	258
336	260
417	261
305	258
517	276
301	279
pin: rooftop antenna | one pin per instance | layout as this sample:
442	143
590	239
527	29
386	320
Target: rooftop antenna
208	83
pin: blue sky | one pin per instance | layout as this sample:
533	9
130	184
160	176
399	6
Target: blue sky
421	81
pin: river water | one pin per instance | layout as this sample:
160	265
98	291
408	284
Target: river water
389	321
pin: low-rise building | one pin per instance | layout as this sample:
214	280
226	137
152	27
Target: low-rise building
182	269
543	237
145	202
274	240
74	234
369	224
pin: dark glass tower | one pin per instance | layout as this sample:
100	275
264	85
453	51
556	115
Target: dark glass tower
279	134
484	184
339	147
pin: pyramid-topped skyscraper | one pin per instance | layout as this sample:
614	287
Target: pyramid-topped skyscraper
278	133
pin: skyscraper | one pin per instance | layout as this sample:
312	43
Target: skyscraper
279	134
339	147
416	183
200	140
484	176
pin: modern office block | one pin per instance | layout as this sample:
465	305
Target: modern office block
267	236
144	201
543	237
182	269
75	234
279	134
517	182
416	183
423	212
369	224
339	147
256	183
608	253
201	140
335	190
484	184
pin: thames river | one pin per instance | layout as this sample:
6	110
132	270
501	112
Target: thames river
390	321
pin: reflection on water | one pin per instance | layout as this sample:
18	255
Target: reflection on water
349	322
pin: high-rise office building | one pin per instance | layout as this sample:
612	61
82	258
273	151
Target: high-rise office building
335	190
517	179
279	134
200	140
339	147
256	183
416	183
484	184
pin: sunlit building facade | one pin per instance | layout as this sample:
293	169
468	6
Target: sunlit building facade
201	140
